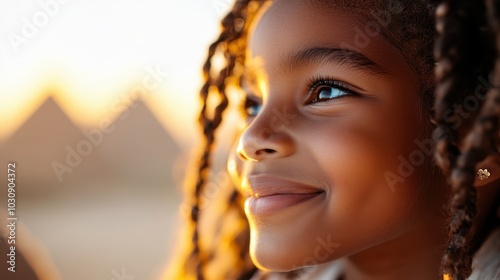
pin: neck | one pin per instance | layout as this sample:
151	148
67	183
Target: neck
415	254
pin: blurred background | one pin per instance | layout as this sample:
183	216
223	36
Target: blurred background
98	109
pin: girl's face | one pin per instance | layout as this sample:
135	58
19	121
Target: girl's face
329	158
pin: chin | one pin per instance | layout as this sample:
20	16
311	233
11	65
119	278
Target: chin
273	262
271	258
284	248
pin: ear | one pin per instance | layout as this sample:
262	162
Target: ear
492	164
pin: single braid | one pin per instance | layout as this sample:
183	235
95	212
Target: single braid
458	24
449	54
447	25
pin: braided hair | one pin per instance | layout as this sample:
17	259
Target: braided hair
231	43
458	22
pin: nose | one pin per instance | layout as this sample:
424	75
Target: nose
262	140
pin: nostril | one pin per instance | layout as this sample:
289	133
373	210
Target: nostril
266	151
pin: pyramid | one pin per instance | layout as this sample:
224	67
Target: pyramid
39	142
139	146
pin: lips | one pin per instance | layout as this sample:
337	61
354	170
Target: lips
270	195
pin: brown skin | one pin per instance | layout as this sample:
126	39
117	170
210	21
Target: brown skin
341	146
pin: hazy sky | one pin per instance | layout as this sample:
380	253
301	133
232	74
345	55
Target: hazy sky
93	54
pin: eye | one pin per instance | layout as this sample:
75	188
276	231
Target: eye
250	107
324	89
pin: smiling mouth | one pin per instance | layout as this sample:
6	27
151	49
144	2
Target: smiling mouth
267	205
271	195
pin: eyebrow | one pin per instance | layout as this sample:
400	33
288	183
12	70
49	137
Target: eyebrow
338	56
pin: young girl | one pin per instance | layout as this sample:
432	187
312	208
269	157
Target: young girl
333	174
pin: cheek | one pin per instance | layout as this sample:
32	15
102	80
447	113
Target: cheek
356	156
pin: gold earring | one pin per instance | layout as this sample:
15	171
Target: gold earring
483	174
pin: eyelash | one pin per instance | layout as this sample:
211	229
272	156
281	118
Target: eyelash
312	84
323	81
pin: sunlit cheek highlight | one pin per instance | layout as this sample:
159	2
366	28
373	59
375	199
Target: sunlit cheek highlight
262	82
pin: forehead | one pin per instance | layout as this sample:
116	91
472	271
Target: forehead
289	26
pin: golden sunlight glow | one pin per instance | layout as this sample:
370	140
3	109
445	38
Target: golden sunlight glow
95	57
